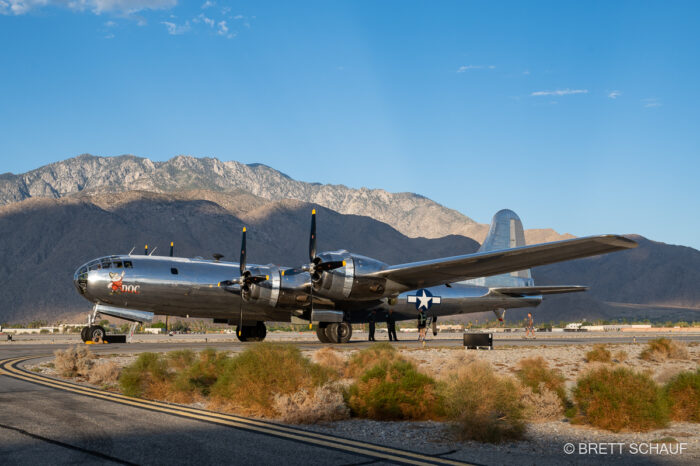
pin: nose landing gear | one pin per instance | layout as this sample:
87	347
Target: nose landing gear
94	333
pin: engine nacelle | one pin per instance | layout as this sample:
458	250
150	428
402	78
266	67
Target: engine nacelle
267	292
343	283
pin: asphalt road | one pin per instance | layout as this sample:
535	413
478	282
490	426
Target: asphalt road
44	423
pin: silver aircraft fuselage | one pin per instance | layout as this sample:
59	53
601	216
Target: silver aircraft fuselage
190	287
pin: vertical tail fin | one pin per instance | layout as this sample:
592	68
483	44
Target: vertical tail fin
506	232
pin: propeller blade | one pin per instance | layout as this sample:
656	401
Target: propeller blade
242	261
312	239
330	265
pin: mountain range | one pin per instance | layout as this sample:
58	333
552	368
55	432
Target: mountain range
59	216
411	214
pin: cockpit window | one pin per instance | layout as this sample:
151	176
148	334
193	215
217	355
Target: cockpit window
118	264
106	264
94	266
127	264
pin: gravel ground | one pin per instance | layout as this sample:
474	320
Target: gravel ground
545	441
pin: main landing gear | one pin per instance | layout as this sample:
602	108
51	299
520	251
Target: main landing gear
334	332
255	332
94	333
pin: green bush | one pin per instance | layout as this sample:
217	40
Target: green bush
535	373
683	395
620	399
197	376
249	382
482	405
145	376
368	357
394	391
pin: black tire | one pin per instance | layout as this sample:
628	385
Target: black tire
258	332
243	333
339	332
97	333
321	332
84	334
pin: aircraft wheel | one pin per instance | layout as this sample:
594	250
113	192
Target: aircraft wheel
258	332
84	334
243	333
321	332
96	333
339	332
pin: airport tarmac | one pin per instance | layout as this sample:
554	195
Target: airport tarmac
43	421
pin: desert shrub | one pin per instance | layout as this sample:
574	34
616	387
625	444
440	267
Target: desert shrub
196	374
250	380
328	357
74	361
683	395
543	405
105	373
661	349
620	356
369	357
324	403
394	391
535	374
620	399
180	359
482	405
599	353
147	376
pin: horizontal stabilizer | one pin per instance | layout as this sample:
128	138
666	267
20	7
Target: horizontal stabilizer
537	290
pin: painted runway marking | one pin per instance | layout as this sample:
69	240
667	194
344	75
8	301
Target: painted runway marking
263	427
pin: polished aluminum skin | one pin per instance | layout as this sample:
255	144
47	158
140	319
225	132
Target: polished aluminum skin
496	277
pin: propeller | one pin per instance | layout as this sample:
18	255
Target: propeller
244	281
316	265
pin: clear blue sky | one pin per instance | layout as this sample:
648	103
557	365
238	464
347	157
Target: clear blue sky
581	116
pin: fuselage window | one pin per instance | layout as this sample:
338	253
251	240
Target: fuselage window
173	271
118	264
127	264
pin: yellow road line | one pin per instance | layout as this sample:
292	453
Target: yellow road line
337	443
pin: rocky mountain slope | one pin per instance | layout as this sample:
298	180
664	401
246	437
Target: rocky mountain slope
413	215
46	239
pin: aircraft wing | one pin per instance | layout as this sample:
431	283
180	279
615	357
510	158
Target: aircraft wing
537	290
483	264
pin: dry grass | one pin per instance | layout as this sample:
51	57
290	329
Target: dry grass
482	405
683	395
249	381
105	373
147	377
368	357
543	405
324	403
535	374
661	349
330	358
74	361
395	391
620	399
599	353
620	356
